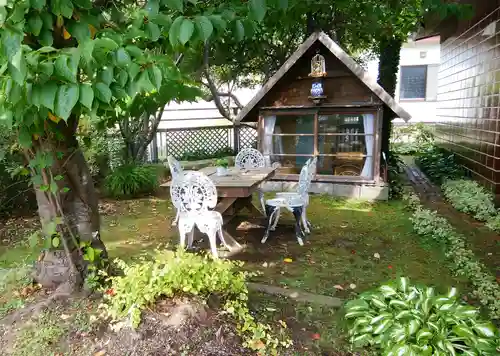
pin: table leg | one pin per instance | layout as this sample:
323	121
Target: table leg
248	204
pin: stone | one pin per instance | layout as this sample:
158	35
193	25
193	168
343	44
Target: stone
377	192
347	190
321	188
272	186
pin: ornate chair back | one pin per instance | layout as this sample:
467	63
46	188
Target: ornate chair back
193	193
250	158
175	167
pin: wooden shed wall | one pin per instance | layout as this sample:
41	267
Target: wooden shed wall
293	90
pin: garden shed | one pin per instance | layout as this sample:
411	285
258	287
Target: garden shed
322	103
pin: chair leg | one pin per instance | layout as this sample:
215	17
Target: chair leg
183	232
212	237
262	201
176	219
299	233
276	218
305	223
271	211
191	238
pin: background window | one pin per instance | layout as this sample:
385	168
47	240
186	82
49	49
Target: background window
413	81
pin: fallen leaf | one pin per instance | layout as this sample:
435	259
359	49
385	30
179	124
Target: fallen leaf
315	336
353	252
100	353
390	267
288	260
376	255
338	287
264	265
352	286
65	316
271	309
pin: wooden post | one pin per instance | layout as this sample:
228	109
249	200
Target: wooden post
236	137
154	151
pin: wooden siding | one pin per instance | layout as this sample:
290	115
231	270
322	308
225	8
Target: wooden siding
340	86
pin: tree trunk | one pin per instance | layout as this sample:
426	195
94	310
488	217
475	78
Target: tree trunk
387	78
75	209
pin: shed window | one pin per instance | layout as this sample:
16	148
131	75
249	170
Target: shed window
343	142
413	82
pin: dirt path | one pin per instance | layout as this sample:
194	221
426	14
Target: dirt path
484	242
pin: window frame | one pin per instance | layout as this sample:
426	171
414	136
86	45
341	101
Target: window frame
374	110
401	68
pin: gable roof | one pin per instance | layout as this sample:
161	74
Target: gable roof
338	52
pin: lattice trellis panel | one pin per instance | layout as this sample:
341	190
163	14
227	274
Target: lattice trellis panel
247	137
180	141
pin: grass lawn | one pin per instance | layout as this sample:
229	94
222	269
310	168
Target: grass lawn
354	246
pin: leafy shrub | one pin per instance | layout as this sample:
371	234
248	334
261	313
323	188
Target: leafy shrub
470	197
439	164
395	171
130	181
403	319
204	154
493	223
429	225
181	273
411	139
16	192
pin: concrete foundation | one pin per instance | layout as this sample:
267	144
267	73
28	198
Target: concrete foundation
354	190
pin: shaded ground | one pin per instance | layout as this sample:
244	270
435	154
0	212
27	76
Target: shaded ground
484	242
354	246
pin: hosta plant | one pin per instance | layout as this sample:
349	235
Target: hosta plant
403	319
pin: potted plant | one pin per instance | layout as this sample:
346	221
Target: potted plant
221	164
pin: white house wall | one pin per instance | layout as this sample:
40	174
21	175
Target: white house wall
421	111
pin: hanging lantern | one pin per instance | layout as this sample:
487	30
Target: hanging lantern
318	66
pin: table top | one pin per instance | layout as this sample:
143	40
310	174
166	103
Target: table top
236	177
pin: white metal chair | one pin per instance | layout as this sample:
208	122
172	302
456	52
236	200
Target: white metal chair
176	172
295	202
249	158
195	194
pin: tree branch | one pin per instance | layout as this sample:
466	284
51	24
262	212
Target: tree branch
211	85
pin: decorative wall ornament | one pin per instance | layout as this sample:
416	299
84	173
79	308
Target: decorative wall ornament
318	66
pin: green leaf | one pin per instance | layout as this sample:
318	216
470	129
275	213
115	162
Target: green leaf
357	304
106	75
283	4
173	33
239	30
34	239
53	187
3	15
380	317
133	70
24	137
11	42
56	241
86	95
80	31
46	38
62	7
35	24
6	118
155	76
122	57
103	93
403	284
37	4
205	27
152	7
452	293
219	23
144	83
383	326
122	78
361	340
162	20
174	4
398	304
67	97
423	336
463	331
485	329
63	70
153	31
48	95
387	291
258	9
413	326
134	51
47	20
186	31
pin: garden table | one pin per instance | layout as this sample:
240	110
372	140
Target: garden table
234	192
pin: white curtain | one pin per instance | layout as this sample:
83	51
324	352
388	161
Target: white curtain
267	147
369	127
